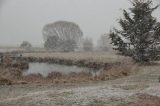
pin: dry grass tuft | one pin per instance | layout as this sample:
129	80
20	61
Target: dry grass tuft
81	76
5	81
116	71
55	75
32	78
71	77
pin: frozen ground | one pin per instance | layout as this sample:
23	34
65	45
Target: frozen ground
106	93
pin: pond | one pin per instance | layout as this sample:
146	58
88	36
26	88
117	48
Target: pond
46	68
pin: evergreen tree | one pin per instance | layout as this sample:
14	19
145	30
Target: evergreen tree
139	35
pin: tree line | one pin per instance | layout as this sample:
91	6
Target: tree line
138	37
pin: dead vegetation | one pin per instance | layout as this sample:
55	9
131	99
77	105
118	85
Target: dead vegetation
10	76
5	81
101	57
145	100
113	67
109	92
125	68
57	77
116	71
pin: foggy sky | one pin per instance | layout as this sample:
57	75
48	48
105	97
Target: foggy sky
24	19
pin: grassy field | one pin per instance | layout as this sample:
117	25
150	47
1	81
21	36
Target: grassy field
90	56
127	84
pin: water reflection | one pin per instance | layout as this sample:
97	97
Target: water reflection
45	68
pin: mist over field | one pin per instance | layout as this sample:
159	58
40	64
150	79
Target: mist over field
24	19
79	53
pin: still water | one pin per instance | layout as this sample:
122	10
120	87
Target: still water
46	68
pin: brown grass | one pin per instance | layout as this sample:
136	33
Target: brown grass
11	73
123	69
5	81
33	78
99	57
71	77
116	71
10	76
145	100
55	75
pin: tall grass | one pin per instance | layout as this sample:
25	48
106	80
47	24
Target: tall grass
125	68
101	57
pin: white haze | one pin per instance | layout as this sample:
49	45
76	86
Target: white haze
24	19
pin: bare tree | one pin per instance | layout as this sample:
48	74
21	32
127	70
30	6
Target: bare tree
87	44
51	42
68	33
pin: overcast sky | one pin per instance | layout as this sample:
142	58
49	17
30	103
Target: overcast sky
24	19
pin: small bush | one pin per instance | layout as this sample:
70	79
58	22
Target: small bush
5	81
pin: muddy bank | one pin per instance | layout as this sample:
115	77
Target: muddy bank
80	63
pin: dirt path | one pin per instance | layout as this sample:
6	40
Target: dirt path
108	93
